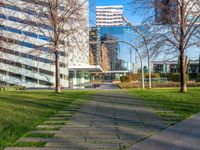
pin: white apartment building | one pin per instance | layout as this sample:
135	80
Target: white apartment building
20	62
109	16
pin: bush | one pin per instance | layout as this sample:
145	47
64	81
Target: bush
198	78
193	76
175	77
135	77
11	88
125	78
126	85
153	75
156	85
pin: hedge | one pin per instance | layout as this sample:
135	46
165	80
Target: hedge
194	76
175	77
126	78
156	85
11	88
137	77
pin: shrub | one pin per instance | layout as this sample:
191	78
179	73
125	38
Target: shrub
125	78
193	76
156	85
126	85
11	88
166	75
175	77
135	77
153	75
198	78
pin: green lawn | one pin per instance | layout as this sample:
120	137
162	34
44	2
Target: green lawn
170	103
22	111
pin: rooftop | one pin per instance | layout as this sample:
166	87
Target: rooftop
109	7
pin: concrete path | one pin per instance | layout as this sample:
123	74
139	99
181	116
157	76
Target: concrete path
108	86
109	121
183	136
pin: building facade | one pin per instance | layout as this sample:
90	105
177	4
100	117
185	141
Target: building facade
95	46
173	67
21	63
109	16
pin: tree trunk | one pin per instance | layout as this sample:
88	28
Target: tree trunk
183	74
57	73
181	48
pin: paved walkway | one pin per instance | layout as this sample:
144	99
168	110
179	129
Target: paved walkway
108	86
183	136
109	121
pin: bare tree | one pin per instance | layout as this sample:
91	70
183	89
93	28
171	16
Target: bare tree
63	22
177	23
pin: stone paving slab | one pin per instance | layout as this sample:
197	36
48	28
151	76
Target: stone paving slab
59	118
89	129
58	140
86	135
44	132
56	121
30	148
63	115
183	136
85	145
50	126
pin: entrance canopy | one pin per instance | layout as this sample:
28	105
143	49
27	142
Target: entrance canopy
120	71
88	68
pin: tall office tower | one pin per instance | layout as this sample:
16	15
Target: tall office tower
109	16
25	58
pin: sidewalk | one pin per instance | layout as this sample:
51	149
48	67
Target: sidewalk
183	136
108	121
